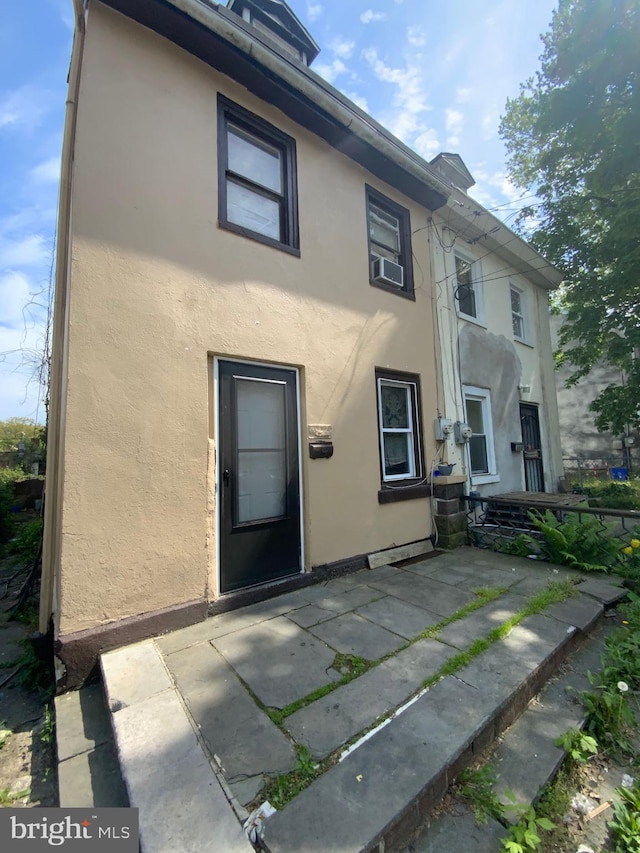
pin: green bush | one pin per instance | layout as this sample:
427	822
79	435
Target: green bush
8	478
27	542
584	545
613	494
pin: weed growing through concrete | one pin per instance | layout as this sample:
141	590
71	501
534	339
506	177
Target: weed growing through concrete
477	787
286	786
578	745
523	836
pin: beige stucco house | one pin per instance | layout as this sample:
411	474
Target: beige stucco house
246	373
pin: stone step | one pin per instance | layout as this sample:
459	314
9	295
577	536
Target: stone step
526	758
383	791
182	804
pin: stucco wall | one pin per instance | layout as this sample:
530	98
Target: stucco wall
486	354
157	290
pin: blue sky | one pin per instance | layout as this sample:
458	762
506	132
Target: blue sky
436	74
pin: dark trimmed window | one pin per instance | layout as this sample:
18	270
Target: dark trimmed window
389	234
400	435
257	187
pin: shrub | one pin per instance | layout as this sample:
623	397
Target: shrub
27	543
585	545
613	494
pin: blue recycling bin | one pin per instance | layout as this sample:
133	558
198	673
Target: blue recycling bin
620	473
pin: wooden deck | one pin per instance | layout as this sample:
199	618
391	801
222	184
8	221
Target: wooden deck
534	498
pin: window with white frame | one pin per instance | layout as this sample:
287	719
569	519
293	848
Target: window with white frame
399	426
518	318
468	291
477	402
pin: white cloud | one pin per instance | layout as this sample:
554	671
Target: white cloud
26	251
20	355
463	95
341	47
427	144
454	122
409	100
15	292
48	171
330	71
370	16
24	108
416	36
314	10
358	100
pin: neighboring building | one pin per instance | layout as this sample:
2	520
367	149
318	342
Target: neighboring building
491	290
246	370
584	449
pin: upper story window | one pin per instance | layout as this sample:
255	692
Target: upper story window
518	314
390	258
468	290
257	188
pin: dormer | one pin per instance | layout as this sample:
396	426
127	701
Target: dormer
275	19
451	167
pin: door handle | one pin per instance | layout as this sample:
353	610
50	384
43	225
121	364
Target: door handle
226	476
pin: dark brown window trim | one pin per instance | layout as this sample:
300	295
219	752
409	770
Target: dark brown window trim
253	124
407	290
413	484
259	238
394	494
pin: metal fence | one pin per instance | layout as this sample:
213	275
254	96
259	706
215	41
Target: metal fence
497	523
577	469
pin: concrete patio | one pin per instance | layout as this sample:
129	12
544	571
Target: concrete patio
193	711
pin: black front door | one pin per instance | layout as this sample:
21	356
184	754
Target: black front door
258	472
533	470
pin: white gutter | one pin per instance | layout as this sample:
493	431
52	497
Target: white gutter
58	378
466	216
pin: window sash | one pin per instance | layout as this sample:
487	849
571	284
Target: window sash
389	237
517	314
413	461
478	417
467	303
257	188
384	232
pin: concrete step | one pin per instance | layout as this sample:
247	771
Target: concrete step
383	791
526	758
88	769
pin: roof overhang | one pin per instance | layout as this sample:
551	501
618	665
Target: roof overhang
479	227
224	41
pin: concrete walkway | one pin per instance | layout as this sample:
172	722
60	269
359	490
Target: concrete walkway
193	711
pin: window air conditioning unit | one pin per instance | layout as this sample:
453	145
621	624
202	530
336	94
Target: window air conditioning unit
388	272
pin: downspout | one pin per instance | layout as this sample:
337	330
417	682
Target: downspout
51	549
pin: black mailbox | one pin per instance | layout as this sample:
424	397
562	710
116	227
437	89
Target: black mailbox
320	449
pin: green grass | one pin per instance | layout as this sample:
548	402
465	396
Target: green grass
7	799
283	788
286	786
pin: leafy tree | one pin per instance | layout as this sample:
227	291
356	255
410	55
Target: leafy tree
573	139
13	429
